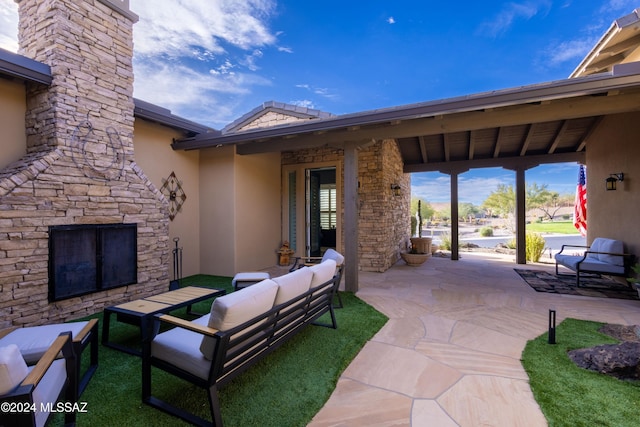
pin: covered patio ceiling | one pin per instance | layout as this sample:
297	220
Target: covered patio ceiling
513	128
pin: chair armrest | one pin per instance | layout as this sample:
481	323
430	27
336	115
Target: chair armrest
84	333
573	246
182	323
37	373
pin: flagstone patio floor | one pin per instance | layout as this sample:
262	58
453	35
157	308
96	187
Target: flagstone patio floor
450	353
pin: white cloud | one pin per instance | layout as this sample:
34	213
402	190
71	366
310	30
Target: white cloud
9	25
391	20
206	49
510	13
435	187
165	29
303	103
201	96
570	51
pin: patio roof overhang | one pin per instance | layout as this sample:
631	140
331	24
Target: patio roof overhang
512	128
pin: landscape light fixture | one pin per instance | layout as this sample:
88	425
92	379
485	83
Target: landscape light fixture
613	179
396	189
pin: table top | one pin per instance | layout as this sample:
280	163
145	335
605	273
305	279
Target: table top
166	300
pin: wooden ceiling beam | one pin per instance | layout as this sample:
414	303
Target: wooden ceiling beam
513	162
527	139
556	139
423	148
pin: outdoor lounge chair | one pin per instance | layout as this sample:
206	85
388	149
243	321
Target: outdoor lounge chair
329	254
34	341
604	256
29	395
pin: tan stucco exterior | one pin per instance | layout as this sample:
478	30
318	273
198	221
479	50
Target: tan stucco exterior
240	211
152	150
12	112
614	148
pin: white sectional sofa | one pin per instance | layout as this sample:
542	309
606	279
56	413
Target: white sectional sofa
241	328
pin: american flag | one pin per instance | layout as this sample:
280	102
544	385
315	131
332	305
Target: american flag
580	205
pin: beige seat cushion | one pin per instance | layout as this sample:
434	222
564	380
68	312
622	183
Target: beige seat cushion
238	307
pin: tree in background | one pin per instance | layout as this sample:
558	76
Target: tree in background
467	211
501	202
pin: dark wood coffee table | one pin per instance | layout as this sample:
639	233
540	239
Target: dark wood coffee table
141	311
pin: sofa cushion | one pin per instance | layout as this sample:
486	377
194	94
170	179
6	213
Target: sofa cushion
13	368
180	347
293	284
238	307
611	246
588	264
323	272
34	341
334	255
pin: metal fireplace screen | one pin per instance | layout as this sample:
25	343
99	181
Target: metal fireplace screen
91	258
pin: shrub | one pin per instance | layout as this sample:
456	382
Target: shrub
486	232
512	244
445	241
534	246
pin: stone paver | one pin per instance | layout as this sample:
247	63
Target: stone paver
450	353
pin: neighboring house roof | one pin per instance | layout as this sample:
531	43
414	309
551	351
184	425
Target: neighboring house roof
487	129
272	107
614	47
20	67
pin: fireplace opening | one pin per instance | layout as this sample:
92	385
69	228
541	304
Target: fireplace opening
91	258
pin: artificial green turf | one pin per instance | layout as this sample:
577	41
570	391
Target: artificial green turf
572	396
287	388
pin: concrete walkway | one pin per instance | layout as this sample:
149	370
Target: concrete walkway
450	353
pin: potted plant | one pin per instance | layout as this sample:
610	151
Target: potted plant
420	246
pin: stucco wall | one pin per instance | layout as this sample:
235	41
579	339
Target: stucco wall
258	211
240	211
614	147
151	143
12	111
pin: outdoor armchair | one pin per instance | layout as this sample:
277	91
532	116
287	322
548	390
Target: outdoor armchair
29	395
604	256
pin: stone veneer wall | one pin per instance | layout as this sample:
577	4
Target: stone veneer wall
74	174
384	219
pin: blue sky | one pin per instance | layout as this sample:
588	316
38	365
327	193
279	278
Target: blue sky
213	61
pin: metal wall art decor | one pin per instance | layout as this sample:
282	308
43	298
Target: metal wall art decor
172	189
99	155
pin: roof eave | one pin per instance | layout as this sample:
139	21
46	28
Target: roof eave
154	113
23	68
622	76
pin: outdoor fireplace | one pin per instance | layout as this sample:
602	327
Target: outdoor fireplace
91	258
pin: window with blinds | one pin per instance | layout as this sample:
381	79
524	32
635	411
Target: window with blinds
328	212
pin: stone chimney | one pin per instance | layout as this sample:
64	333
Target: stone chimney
79	166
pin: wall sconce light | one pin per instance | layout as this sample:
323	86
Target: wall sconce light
396	189
613	179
